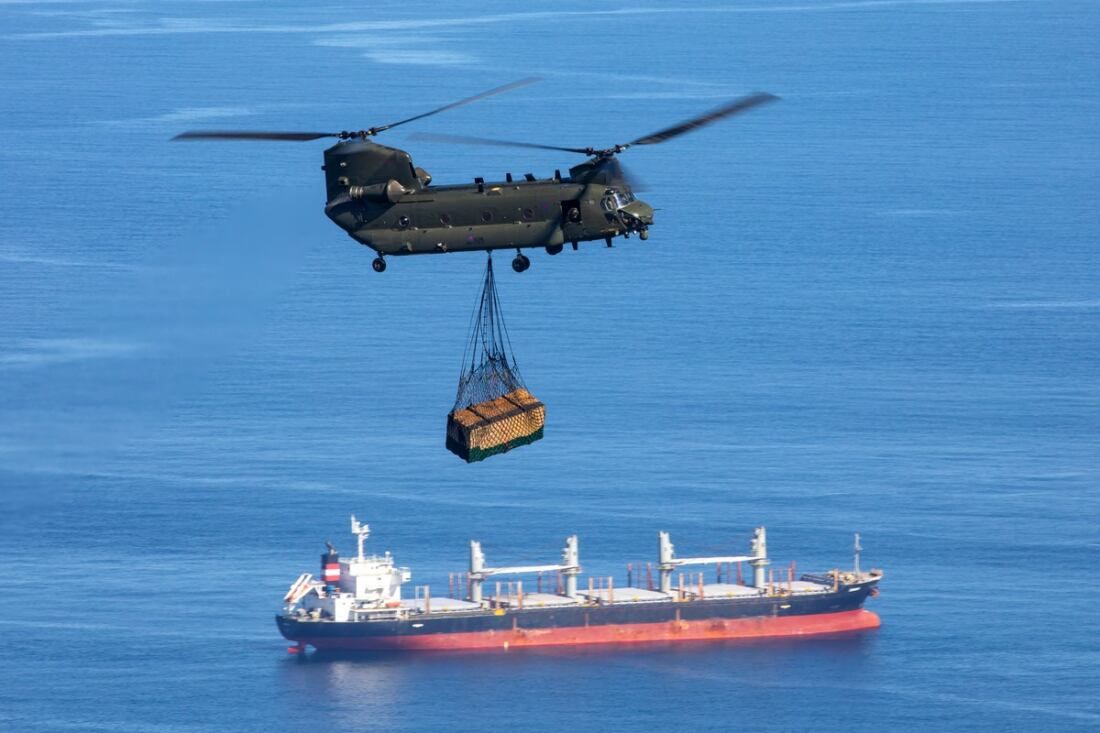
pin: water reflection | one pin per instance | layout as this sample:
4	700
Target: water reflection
443	687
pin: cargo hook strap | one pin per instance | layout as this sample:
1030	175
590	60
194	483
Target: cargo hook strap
489	367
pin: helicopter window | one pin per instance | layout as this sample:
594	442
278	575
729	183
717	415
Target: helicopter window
445	219
528	214
616	200
572	211
403	222
486	216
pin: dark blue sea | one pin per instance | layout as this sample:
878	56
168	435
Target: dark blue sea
872	307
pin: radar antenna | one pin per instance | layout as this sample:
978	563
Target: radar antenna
361	531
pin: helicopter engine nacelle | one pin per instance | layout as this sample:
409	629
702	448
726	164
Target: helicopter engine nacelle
391	191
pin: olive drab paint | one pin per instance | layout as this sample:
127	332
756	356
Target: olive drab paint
382	200
517	214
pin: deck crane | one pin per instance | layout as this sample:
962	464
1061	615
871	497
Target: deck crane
669	562
570	568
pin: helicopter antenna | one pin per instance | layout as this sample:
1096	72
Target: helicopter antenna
343	134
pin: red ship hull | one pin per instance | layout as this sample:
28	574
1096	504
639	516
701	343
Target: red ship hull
638	633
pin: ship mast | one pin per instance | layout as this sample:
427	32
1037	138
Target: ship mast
856	549
361	531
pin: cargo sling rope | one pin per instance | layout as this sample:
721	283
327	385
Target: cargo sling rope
488	365
493	411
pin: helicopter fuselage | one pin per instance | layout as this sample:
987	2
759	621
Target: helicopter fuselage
383	201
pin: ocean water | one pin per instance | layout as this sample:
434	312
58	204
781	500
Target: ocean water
872	307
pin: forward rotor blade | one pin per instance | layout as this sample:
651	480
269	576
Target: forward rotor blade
245	135
735	107
461	102
465	140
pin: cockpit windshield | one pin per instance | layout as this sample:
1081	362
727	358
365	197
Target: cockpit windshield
614	200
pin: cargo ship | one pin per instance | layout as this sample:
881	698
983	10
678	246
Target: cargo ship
358	603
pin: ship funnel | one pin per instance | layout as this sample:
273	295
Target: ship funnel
330	567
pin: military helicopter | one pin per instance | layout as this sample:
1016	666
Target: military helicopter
383	201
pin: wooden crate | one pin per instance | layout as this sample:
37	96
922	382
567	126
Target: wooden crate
476	432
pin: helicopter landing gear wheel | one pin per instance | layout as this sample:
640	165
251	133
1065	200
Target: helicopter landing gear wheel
643	234
520	263
378	264
553	249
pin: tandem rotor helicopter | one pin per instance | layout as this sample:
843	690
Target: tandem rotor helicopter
383	201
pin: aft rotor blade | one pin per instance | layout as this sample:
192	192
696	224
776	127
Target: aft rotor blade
735	107
345	135
246	135
459	103
465	140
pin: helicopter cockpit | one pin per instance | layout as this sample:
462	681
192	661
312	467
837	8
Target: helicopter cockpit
627	212
613	200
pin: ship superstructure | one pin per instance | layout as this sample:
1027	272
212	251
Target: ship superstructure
358	603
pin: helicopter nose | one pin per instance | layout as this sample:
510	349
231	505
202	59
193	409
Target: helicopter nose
640	210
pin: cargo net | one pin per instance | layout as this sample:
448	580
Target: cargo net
493	411
488	365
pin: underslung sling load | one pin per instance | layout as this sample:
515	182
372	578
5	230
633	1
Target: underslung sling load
493	411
